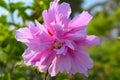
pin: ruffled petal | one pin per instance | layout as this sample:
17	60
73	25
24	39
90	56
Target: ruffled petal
54	4
45	17
27	55
76	35
41	59
64	9
90	41
80	62
45	60
23	35
62	50
81	20
58	30
53	69
70	44
64	63
60	64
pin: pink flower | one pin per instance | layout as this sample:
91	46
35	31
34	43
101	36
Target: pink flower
56	45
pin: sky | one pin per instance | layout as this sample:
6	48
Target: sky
89	3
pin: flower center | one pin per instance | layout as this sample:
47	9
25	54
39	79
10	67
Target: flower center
57	45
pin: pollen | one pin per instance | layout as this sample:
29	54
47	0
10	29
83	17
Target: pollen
57	45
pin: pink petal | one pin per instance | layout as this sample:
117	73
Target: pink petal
49	16
43	41
33	29
59	30
64	9
54	4
70	44
81	20
76	35
45	61
62	50
38	24
80	62
63	63
49	19
23	35
59	64
36	57
27	55
90	40
45	17
40	27
53	69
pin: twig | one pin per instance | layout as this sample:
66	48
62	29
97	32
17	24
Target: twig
45	75
71	77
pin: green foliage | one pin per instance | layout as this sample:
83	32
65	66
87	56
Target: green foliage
105	56
3	4
103	22
107	60
15	6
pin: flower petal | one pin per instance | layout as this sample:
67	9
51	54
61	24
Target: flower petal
90	41
23	35
62	50
81	20
45	16
27	55
76	35
70	44
59	30
64	9
80	62
45	61
53	69
63	63
60	64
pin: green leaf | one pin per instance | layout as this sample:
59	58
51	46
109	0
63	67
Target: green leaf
3	4
3	19
14	6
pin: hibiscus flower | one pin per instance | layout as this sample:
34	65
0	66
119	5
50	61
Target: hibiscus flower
57	44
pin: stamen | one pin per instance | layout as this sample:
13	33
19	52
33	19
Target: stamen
57	45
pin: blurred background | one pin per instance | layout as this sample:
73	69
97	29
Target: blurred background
15	14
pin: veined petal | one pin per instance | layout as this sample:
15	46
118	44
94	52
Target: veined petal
89	41
53	69
80	62
62	50
58	30
70	44
64	9
64	63
45	16
23	35
54	4
45	61
34	30
27	55
76	35
60	64
40	26
81	20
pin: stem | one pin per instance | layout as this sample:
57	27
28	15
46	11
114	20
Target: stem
11	13
45	75
71	77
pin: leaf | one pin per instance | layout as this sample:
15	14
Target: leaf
3	19
3	4
14	6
